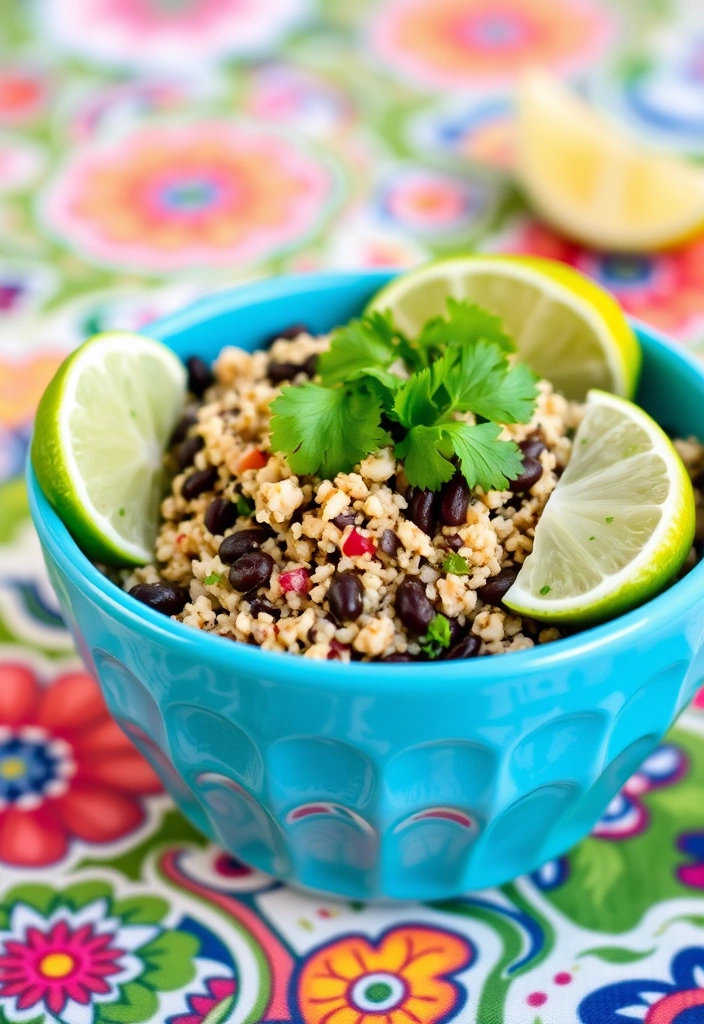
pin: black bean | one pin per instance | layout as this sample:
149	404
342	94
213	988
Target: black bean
454	542
389	542
344	519
200	376
413	607
345	596
532	446
529	475
163	597
455	631
496	587
455	501
466	648
260	604
186	451
399	658
189	417
310	366
291	332
251	570
196	483
241	543
221	515
421	509
279	372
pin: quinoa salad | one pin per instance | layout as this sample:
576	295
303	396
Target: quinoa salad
356	566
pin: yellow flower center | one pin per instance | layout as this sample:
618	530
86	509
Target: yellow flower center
13	767
56	965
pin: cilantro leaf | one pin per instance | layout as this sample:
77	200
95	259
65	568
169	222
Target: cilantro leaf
244	507
326	430
463	322
381	383
425	466
212	577
515	395
455	564
437	637
483	383
358	348
413	404
484	459
458	363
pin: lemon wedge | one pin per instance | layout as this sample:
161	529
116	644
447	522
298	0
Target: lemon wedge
593	183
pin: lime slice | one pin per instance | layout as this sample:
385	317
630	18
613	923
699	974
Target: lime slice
595	184
567	328
99	437
617	527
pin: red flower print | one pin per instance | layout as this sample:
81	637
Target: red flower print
66	769
220	995
55	966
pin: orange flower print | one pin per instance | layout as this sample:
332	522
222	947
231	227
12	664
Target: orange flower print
444	44
167	198
22	383
403	977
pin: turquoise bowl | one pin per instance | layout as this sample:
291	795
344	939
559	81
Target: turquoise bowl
386	781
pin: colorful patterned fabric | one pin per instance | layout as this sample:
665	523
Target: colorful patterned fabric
154	150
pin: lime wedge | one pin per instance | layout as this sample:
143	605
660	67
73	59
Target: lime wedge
592	182
99	437
617	527
566	327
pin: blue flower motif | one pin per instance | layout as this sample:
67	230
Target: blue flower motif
680	1001
552	874
626	816
662	93
32	765
13	452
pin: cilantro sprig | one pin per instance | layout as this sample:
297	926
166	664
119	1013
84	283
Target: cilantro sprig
438	636
377	387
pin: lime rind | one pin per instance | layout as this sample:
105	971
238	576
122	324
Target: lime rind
117	434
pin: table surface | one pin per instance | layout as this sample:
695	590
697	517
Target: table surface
151	151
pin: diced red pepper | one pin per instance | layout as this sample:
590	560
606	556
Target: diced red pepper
358	544
296	580
252	460
180	537
336	650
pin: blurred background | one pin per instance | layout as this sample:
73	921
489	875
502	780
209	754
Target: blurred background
154	150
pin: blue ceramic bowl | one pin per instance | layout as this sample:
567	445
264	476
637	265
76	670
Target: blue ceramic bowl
403	781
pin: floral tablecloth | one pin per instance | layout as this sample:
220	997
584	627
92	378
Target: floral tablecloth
151	150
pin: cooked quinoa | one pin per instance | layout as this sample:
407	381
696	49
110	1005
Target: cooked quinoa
348	568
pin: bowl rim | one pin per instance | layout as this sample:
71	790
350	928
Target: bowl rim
198	646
